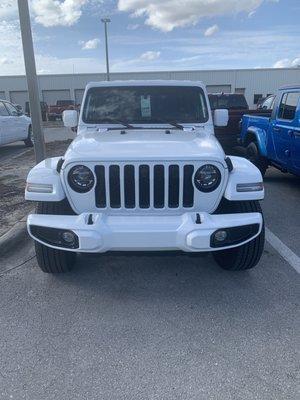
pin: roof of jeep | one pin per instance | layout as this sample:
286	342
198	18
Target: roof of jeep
291	87
162	82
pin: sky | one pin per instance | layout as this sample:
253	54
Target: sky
149	35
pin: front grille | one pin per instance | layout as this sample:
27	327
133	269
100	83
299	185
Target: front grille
144	186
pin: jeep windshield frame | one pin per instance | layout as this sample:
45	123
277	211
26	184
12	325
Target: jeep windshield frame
145	105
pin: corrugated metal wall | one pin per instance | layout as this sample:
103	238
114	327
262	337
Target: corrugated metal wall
259	81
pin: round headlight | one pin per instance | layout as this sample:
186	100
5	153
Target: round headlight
81	179
207	178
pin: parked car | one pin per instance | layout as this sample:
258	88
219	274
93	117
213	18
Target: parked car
14	125
55	111
44	110
18	107
237	106
275	141
146	172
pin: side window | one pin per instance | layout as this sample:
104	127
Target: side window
268	103
11	109
3	110
288	106
256	98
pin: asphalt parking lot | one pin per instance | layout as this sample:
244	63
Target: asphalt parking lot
157	326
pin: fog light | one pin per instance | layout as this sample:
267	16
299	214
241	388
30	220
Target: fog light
220	236
68	237
55	236
233	236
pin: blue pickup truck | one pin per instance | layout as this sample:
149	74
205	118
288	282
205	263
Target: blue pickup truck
276	140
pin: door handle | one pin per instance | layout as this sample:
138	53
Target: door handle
276	129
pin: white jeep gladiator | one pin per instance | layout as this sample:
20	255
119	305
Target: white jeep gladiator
146	173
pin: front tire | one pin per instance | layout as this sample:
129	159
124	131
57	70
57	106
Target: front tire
29	141
248	255
53	261
256	158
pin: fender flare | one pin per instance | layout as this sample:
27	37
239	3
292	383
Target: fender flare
45	173
243	172
260	137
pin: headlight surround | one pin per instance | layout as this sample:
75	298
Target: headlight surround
207	178
81	179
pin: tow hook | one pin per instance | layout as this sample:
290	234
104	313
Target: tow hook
198	219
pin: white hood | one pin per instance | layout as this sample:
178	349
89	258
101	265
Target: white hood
144	144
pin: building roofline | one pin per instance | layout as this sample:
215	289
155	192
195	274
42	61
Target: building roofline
159	72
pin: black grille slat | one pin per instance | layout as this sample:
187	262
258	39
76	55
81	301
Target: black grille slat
100	192
129	186
173	200
164	187
114	186
144	186
159	186
188	187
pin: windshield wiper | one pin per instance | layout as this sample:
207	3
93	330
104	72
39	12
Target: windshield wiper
173	123
117	121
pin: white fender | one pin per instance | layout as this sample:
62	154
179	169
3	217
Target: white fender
44	183
244	172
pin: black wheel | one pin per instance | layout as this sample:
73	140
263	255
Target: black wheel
50	260
248	255
256	158
29	141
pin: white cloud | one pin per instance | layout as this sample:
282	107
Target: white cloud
133	27
90	44
171	14
211	30
150	55
56	12
287	63
8	8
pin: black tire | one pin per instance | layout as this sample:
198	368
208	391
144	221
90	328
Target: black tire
248	255
256	158
50	260
29	141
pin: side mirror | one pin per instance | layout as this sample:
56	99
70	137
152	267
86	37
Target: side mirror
221	117
70	118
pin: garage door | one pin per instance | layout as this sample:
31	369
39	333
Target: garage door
2	95
218	88
79	95
19	98
51	96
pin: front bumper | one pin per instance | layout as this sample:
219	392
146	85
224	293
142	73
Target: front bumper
99	233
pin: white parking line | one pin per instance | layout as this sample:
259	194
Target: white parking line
283	250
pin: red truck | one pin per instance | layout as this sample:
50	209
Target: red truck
237	106
55	112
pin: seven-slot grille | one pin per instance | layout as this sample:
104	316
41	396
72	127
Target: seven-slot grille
144	186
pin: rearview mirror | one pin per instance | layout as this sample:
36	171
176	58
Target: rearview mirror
221	117
70	118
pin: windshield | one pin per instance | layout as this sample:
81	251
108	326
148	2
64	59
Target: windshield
228	101
145	105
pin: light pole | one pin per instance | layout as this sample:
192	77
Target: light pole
32	83
106	21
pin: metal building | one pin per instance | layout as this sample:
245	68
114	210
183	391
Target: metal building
254	83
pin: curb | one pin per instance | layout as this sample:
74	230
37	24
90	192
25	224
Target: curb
12	238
